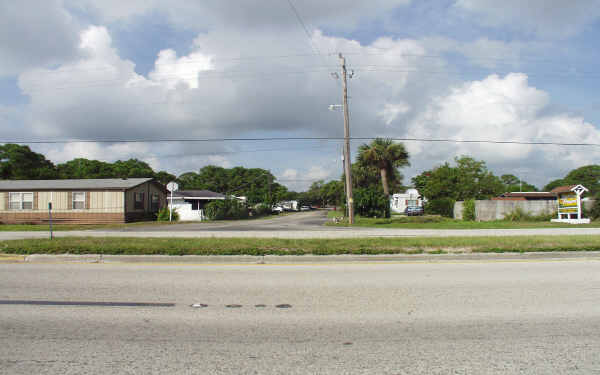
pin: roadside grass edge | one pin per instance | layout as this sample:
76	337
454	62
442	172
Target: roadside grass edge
299	247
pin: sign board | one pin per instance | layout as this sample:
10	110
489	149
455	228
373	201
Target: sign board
567	203
172	186
569	206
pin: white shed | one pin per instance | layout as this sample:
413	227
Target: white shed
399	202
190	203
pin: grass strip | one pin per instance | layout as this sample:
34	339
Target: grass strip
276	246
437	222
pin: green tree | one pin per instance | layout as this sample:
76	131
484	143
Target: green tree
555	183
386	156
132	168
258	185
164	177
588	176
84	168
469	179
333	193
513	183
20	163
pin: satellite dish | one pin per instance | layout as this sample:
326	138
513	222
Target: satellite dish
172	186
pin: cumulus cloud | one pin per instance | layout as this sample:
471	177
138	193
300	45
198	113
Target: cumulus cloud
208	94
35	33
548	18
170	70
268	84
246	15
503	108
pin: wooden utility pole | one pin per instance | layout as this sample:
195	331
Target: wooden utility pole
347	160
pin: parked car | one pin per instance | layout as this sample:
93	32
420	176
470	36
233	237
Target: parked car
414	211
305	208
277	209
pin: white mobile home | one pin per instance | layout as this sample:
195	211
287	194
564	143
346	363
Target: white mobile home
410	198
190	203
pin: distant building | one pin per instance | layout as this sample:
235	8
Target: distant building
399	202
289	205
83	201
526	196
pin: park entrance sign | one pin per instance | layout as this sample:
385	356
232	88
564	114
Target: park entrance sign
569	204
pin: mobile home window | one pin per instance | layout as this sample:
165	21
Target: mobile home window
154	203
138	201
78	200
20	201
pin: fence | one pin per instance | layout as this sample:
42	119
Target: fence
487	210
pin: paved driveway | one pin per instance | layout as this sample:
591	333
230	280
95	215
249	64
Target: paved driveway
297	221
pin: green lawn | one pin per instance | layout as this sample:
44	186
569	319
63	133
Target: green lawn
437	222
69	227
258	246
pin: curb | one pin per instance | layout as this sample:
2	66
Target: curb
299	259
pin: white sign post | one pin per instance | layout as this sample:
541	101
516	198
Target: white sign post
172	186
569	203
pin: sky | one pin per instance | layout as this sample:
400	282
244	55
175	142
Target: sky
189	70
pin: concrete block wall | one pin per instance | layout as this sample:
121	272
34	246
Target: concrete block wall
487	210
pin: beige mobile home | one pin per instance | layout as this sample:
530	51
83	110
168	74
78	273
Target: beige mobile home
87	201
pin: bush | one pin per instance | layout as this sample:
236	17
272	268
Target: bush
469	210
518	214
594	212
226	209
163	214
440	206
371	203
262	209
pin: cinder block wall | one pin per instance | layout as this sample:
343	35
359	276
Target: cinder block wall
487	210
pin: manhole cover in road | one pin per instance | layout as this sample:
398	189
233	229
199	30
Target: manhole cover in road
260	305
199	305
233	306
283	306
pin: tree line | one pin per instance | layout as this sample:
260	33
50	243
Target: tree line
20	163
376	175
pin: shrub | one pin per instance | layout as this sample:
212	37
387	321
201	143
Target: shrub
594	212
163	214
371	203
262	209
518	214
469	210
441	206
226	209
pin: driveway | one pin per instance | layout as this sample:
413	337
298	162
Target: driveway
296	221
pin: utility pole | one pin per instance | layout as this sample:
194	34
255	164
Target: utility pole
349	200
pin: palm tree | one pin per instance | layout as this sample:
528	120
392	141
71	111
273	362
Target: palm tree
385	155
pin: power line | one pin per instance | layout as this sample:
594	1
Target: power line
188	140
313	46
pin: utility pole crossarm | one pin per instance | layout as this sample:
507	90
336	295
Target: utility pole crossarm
347	160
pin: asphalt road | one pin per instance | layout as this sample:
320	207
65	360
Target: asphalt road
530	317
